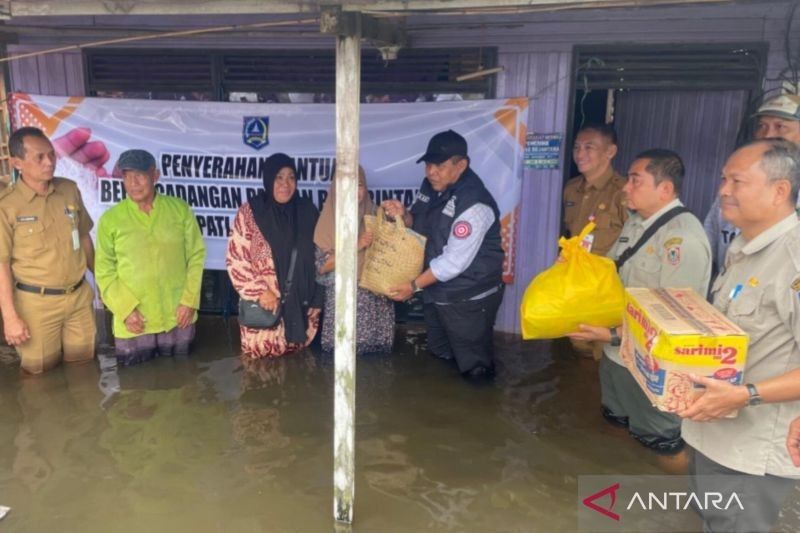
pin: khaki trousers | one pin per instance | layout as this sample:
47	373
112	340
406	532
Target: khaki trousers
62	327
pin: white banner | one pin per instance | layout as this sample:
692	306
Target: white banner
211	154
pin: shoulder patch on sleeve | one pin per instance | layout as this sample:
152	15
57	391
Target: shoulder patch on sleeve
674	255
462	229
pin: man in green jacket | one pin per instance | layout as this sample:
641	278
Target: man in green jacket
149	265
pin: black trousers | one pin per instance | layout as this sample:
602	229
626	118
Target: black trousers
464	330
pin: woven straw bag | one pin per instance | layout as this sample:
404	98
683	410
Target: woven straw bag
395	256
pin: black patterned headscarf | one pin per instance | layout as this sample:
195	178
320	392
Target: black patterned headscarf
284	227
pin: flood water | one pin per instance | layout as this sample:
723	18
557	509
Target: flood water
209	444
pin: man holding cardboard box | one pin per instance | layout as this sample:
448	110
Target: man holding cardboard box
662	245
759	290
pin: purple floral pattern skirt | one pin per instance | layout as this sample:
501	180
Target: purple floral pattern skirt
149	346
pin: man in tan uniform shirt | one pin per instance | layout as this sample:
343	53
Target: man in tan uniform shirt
595	196
759	290
44	252
676	255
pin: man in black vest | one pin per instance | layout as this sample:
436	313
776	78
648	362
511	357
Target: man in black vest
462	280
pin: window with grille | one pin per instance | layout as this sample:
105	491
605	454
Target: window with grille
285	75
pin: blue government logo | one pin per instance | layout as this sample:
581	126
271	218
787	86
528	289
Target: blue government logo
255	132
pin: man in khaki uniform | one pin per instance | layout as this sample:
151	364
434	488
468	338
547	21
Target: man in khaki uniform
596	194
759	290
44	252
677	255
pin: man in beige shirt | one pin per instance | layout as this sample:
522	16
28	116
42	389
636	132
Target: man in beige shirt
45	249
596	194
676	255
759	290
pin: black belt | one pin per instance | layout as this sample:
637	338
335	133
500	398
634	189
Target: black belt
44	290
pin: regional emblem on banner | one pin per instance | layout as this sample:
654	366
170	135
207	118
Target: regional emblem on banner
255	132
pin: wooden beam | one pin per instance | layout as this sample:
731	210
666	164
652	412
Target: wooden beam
338	22
36	8
152	36
348	92
33	8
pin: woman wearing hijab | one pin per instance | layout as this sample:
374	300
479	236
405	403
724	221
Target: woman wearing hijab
374	314
265	232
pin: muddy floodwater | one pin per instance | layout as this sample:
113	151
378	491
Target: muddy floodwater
209	444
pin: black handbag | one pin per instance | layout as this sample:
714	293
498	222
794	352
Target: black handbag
252	315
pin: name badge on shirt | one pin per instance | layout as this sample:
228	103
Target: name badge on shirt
587	242
31	218
72	213
450	208
424	198
623	239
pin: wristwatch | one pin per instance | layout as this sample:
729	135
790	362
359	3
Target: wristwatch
755	398
414	287
615	340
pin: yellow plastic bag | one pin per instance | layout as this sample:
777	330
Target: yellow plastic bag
580	288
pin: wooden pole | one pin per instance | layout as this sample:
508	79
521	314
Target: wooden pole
348	89
5	132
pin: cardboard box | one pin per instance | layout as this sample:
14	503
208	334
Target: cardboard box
669	333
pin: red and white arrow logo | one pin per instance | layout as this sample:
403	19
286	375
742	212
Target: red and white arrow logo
589	501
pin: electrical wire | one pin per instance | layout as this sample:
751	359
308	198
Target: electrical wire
744	133
583	69
792	61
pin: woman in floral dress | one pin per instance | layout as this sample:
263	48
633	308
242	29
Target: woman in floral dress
265	232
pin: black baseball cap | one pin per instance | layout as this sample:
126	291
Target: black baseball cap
443	146
140	160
